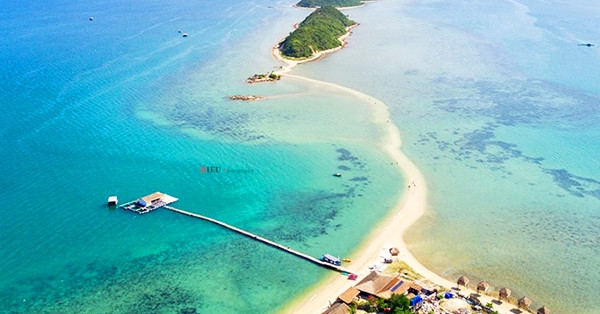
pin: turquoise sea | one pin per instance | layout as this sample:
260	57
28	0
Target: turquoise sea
495	101
124	105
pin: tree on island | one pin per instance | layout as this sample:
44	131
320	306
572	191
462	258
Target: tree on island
333	3
319	31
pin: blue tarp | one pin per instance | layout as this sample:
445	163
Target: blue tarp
448	295
141	202
416	300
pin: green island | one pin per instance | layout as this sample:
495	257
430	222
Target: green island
319	31
333	3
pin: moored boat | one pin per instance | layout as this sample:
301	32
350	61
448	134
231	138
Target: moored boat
328	258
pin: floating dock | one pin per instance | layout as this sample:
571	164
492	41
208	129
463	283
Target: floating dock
263	240
149	203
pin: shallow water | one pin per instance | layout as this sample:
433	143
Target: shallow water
496	104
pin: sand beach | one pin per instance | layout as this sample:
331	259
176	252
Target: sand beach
411	205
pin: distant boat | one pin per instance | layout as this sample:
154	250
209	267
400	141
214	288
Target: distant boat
586	45
91	18
347	260
337	174
113	201
184	34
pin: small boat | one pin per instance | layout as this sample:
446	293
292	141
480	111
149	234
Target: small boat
586	45
91	18
184	35
347	260
337	174
352	277
328	258
113	201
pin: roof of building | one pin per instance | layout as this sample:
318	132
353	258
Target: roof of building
152	197
405	286
349	295
463	281
338	308
376	283
543	310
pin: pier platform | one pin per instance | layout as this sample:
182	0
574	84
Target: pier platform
149	203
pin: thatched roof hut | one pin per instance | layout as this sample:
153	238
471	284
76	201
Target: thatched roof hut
376	283
543	310
482	286
505	293
524	302
349	295
462	281
394	251
338	308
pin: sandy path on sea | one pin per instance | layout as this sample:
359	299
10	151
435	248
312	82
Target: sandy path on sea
390	231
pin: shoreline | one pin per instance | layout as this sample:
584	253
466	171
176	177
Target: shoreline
389	231
290	63
410	206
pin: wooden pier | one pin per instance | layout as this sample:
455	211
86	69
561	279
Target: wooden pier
261	239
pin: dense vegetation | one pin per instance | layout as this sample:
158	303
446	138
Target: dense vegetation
319	31
333	3
396	304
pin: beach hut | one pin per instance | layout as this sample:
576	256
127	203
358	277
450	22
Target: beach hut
349	295
462	281
377	284
394	251
338	308
505	293
543	310
524	302
482	286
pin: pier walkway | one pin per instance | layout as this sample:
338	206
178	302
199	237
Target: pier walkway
263	240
